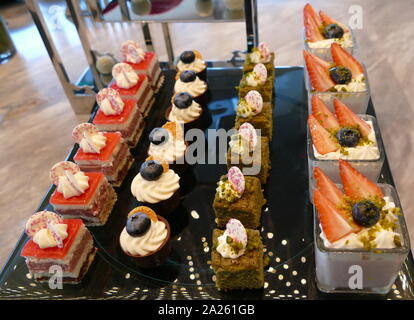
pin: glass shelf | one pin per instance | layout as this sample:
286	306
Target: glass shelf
172	11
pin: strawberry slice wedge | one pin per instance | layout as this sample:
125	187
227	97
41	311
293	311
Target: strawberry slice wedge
312	23
321	138
341	57
318	71
333	224
332	193
327	187
325	117
356	185
347	118
328	20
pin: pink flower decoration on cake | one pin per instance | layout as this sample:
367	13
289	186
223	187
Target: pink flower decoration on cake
236	231
132	51
40	220
248	132
261	72
236	179
264	51
112	96
63	168
254	98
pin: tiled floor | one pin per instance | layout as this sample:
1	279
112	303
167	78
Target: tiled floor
36	118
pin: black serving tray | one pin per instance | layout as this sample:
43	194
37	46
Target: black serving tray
287	218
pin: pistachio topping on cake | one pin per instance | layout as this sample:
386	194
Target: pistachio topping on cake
245	140
361	218
261	54
258	76
250	105
232	186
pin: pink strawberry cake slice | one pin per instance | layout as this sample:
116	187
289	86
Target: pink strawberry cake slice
134	86
119	115
105	152
56	242
81	195
143	63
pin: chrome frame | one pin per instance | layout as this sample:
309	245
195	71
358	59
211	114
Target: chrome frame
82	98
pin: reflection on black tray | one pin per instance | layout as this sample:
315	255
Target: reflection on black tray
287	220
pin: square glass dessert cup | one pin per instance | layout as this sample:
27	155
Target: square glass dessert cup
325	53
369	168
379	267
356	101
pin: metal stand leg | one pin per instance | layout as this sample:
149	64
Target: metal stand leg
74	9
168	43
250	12
82	99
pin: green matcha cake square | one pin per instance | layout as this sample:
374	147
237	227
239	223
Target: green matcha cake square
245	272
262	121
260	158
249	65
247	208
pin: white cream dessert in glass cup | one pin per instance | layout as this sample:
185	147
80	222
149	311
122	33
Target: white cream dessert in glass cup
361	239
345	78
345	135
322	30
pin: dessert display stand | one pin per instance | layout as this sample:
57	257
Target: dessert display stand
287	217
81	94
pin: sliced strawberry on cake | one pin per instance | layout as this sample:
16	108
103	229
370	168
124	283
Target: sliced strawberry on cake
347	118
343	58
325	117
332	193
327	187
322	30
321	138
327	20
356	185
312	24
318	71
334	225
346	133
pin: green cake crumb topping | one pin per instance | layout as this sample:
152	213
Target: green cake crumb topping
362	140
226	191
235	246
384	223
